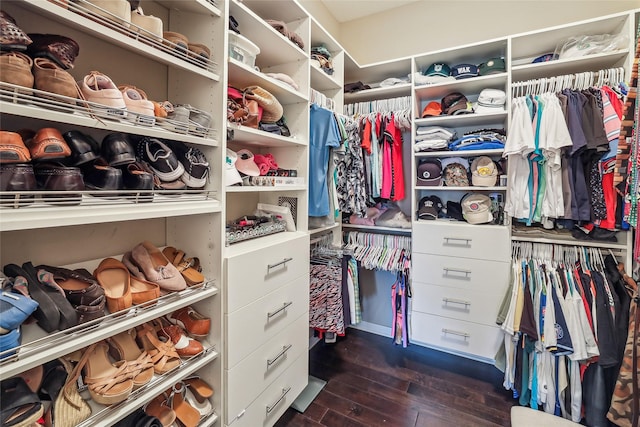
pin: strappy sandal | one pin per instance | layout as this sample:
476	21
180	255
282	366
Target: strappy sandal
163	354
188	267
123	346
186	414
108	383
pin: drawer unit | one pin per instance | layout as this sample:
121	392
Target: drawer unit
470	274
472	306
456	239
255	372
256	323
254	274
273	401
455	335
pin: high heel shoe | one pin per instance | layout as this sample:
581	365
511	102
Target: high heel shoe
108	383
123	346
163	354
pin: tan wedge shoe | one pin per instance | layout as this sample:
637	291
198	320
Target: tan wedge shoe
108	383
123	346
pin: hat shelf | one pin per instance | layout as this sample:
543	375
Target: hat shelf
241	76
378	93
472	85
472	119
461	153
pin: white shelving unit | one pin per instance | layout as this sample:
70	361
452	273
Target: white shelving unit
80	236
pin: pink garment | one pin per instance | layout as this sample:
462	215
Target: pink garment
262	162
387	175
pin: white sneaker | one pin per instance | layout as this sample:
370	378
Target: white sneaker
100	89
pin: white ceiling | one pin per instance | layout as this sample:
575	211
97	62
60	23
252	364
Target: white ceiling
348	10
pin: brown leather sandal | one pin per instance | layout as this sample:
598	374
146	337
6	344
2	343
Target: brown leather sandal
188	267
159	408
163	354
186	414
123	346
108	383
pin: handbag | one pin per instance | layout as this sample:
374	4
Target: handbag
242	110
272	108
69	408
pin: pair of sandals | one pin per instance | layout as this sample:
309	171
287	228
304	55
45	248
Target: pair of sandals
186	403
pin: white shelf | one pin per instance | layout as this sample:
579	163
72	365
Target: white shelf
38	216
461	153
116	37
241	76
38	346
375	228
76	119
262	242
322	81
450	222
568	239
256	137
196	6
469	188
568	66
108	415
463	120
395	91
265	189
468	87
314	231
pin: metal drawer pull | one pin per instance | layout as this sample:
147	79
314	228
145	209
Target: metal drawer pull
467	242
456	301
452	332
284	393
284	306
284	261
446	270
285	348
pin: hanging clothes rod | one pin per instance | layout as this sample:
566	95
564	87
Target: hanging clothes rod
577	81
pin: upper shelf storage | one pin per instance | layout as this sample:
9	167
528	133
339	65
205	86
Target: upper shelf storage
466	86
372	75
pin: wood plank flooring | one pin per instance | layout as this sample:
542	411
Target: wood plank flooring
371	382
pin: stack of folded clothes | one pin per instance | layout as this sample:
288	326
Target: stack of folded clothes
321	56
483	139
430	138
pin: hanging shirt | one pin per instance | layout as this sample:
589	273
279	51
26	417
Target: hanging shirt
323	134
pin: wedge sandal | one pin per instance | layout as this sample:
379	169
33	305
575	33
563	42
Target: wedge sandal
20	406
108	383
163	354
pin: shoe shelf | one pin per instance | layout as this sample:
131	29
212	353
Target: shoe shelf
24	214
377	93
461	153
77	16
58	109
108	415
241	76
569	66
266	188
463	120
468	87
195	6
258	138
39	346
274	47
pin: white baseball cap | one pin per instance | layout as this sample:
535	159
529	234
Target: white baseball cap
484	172
476	208
232	176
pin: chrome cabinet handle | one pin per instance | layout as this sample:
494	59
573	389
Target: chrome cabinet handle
277	264
449	240
456	301
284	350
284	393
452	332
446	270
284	306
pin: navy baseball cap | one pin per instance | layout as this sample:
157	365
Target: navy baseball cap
438	69
464	71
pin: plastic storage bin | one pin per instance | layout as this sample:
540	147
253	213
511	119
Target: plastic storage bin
242	49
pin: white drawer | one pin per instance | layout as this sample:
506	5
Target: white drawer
456	335
470	274
255	372
460	239
258	322
254	274
472	306
270	405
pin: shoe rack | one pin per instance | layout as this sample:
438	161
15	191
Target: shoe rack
81	235
266	304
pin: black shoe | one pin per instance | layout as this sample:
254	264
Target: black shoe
160	158
196	166
117	150
135	177
100	176
84	148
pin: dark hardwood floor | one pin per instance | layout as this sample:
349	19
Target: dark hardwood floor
371	382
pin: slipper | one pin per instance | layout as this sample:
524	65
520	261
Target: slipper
188	267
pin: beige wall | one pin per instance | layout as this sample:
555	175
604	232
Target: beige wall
429	25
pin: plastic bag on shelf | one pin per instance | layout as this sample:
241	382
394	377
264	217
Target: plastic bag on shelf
578	46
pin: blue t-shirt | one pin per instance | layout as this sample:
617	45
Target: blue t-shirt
323	133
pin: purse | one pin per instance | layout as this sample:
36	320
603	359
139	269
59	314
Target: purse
272	108
242	110
69	408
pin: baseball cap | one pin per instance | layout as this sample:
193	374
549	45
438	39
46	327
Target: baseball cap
476	208
490	101
492	66
246	164
429	172
429	207
464	71
454	210
455	103
232	176
432	109
455	175
448	160
484	172
438	69
545	58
